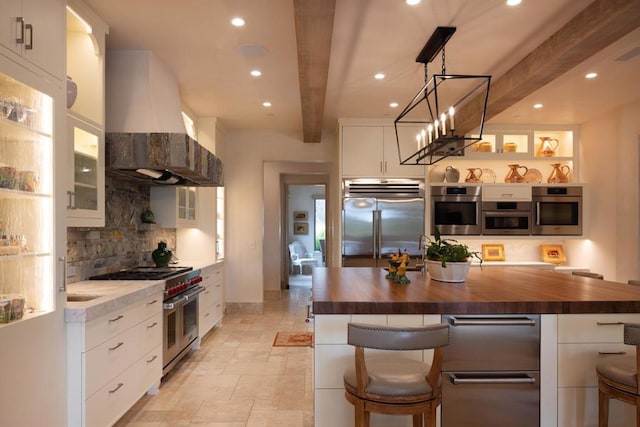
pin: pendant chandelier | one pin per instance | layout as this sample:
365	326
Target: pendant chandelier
426	129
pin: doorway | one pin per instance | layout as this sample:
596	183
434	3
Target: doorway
305	236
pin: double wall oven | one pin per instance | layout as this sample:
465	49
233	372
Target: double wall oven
180	302
549	211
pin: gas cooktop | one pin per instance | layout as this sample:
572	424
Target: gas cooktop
143	273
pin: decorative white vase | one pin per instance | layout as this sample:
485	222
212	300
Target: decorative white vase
454	272
436	174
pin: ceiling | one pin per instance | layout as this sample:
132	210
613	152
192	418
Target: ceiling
212	59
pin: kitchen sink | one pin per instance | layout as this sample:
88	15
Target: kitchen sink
81	297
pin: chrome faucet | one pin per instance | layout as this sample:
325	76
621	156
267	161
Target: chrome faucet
423	242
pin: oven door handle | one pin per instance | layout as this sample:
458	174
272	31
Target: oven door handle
489	379
182	299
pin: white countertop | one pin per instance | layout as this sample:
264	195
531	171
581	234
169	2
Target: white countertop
112	295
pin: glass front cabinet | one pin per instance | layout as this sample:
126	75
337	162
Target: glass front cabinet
85	194
26	202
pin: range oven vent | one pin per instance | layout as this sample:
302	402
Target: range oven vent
390	188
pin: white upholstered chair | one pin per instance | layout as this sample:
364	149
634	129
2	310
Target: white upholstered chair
300	257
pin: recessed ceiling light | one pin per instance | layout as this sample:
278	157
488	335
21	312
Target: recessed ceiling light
413	2
538	106
591	75
256	73
237	22
393	105
513	2
266	104
379	76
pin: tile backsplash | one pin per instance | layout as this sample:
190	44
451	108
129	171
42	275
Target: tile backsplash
124	242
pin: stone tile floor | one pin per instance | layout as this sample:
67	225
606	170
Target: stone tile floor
236	378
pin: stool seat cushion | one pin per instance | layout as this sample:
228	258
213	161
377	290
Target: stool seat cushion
399	377
619	369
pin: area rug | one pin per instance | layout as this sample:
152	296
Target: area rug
293	339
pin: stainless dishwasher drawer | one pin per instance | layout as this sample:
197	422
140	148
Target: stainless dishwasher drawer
492	343
491	399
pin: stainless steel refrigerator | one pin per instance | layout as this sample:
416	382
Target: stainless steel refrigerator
391	218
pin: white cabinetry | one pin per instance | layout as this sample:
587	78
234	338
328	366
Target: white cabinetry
85	118
32	29
112	361
174	207
211	309
583	339
85	198
371	151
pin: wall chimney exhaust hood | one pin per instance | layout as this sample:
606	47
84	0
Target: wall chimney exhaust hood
146	139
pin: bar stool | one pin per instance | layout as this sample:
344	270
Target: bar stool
588	274
395	385
618	379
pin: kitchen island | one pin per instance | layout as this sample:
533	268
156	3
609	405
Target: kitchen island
580	319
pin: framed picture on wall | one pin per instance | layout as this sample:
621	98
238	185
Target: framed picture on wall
300	216
553	254
301	227
493	252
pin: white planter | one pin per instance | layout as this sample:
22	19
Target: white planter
454	272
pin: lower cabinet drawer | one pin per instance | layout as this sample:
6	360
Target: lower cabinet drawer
110	358
110	402
218	311
584	328
578	407
577	362
151	333
150	370
108	326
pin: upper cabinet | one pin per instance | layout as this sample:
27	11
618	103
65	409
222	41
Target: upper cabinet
174	207
32	29
371	151
85	193
85	116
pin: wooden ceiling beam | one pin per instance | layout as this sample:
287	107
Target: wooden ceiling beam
596	27
314	28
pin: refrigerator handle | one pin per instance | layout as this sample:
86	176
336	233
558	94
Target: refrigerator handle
379	233
374	232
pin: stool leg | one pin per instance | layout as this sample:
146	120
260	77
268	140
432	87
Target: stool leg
603	409
362	417
417	420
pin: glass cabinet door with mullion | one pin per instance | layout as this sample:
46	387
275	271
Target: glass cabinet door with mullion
85	195
26	202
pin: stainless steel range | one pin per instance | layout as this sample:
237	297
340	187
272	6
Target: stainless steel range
180	303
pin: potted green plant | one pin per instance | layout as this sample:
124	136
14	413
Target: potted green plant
446	259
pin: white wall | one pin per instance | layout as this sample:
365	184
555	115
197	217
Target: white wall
301	198
609	168
250	203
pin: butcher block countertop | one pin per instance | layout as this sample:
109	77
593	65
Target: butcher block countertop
494	290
